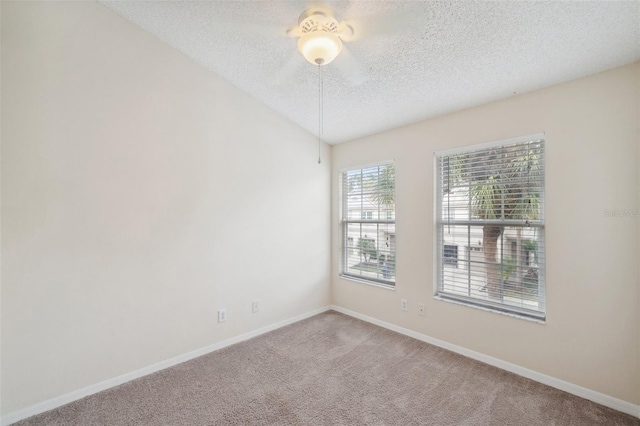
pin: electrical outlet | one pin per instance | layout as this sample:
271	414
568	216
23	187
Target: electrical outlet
404	305
255	306
222	315
421	309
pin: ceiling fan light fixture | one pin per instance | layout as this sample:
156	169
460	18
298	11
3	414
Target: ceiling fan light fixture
319	47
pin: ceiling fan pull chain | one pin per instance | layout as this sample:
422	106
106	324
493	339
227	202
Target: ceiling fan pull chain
320	109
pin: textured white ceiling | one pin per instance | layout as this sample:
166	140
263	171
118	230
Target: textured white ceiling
414	59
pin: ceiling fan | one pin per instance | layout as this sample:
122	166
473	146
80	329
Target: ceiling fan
321	35
320	42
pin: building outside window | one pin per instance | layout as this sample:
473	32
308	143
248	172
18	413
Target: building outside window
368	224
490	201
367	215
450	255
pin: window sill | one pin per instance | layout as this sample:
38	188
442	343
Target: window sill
371	283
488	309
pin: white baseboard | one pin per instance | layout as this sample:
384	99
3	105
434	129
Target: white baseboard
600	398
106	384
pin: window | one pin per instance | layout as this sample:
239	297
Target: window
491	200
368	224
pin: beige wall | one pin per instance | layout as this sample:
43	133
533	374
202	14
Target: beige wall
591	337
140	194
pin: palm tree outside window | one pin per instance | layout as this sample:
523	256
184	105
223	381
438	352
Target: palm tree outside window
490	201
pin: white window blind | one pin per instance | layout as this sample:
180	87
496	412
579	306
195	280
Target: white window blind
490	226
368	224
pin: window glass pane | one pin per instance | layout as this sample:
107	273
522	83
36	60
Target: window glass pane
503	268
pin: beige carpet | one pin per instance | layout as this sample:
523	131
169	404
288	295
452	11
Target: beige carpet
332	369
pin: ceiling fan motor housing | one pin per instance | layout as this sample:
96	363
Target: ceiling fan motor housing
319	43
318	18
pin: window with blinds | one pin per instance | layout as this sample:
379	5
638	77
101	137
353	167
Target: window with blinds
368	224
490	226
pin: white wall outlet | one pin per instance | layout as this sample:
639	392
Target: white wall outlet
222	315
421	309
255	306
404	305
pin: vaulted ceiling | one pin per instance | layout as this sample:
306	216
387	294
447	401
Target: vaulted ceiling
408	60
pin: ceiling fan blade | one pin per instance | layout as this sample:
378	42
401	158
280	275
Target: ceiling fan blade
293	31
289	68
352	70
374	27
388	18
244	29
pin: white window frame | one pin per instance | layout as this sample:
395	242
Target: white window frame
440	292
376	219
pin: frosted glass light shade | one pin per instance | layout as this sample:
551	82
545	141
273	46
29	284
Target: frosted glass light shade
319	47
